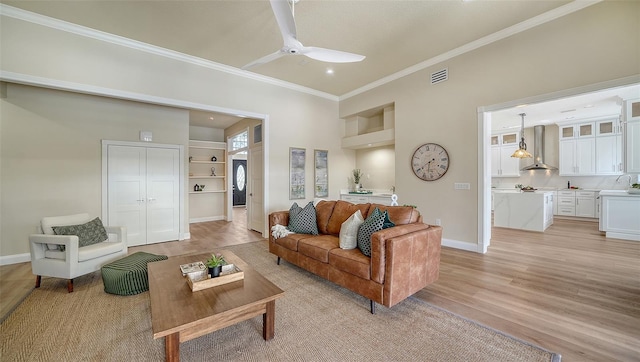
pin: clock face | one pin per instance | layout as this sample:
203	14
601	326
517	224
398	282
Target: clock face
430	162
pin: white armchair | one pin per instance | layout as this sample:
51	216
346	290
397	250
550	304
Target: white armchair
48	259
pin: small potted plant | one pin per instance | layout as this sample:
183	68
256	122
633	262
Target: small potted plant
215	264
357	174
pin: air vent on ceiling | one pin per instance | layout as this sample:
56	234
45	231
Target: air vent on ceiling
440	76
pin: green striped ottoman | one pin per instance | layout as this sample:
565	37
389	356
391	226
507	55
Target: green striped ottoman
128	276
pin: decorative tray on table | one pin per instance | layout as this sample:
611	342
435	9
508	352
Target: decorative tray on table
230	273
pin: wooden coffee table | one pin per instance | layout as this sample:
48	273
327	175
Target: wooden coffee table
179	315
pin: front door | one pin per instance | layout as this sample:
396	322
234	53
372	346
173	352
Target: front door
239	182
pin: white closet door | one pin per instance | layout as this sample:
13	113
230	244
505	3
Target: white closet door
163	204
127	191
144	192
255	200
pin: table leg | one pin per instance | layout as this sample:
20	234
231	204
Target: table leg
269	320
172	347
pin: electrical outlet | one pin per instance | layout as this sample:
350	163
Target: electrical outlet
462	186
438	222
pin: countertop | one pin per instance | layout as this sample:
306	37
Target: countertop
617	193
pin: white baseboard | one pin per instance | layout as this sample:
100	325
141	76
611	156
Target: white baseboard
205	219
623	236
15	259
463	245
185	236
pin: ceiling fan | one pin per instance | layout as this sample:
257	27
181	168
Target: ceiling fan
284	16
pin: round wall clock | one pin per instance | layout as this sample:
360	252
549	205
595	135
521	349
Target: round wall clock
430	162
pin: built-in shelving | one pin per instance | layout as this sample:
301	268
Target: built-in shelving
207	167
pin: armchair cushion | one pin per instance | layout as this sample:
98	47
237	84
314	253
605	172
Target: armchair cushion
89	233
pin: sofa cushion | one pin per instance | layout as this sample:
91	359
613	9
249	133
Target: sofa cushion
89	233
323	213
351	261
303	220
341	212
318	247
349	231
291	241
401	215
372	224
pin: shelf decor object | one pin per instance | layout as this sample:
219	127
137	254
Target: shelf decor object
297	160
321	173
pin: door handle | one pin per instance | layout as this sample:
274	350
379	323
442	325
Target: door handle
140	200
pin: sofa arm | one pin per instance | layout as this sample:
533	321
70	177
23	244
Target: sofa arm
277	218
405	260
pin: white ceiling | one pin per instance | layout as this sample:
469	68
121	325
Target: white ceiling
393	35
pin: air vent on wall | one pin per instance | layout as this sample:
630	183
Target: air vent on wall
440	76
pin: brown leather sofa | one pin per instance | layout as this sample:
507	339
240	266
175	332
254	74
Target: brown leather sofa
404	258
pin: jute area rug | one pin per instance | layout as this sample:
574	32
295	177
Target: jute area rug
315	321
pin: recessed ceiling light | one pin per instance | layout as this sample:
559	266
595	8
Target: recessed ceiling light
211	118
329	71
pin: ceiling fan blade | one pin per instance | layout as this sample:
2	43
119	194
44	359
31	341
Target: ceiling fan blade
330	55
284	17
265	59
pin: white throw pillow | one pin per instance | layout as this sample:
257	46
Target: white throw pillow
349	231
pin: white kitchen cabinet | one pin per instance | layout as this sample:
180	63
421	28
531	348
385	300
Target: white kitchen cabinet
586	203
609	155
367	198
566	201
577	157
620	214
632	135
576	203
502	147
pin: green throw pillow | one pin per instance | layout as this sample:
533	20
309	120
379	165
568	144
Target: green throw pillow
371	224
303	220
89	233
387	222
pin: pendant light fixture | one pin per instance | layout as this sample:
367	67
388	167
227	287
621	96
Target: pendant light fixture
521	152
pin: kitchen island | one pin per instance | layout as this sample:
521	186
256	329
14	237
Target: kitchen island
523	210
620	214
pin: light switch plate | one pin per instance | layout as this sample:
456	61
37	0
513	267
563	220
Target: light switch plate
462	186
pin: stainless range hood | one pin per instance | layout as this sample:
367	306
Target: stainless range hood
538	151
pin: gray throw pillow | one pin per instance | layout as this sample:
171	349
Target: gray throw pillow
303	220
371	224
90	233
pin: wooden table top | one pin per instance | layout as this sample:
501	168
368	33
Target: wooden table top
175	307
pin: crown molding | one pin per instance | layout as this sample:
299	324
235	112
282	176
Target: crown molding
26	79
551	15
20	14
486	40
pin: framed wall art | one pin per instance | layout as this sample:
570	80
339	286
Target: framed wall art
321	173
297	173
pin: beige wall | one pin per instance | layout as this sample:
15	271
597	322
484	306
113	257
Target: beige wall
599	43
378	166
295	119
52	152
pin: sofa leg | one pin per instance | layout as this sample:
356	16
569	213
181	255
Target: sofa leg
70	285
373	306
278	262
38	280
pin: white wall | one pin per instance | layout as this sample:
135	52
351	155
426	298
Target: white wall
378	167
599	43
295	119
52	153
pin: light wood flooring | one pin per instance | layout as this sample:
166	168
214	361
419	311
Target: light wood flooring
568	289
